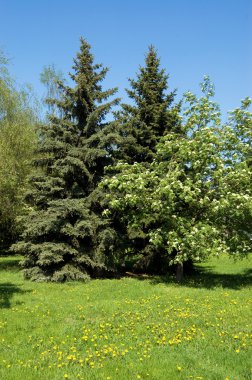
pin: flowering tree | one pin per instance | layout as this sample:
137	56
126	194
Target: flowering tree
195	198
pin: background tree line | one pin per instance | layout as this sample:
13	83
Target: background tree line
164	183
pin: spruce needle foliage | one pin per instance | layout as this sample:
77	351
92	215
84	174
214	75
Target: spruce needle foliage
65	237
151	114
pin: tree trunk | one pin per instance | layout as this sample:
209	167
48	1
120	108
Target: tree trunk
179	273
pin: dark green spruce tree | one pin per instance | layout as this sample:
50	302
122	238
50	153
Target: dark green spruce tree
65	237
152	113
144	122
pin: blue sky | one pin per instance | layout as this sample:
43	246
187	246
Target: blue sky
193	38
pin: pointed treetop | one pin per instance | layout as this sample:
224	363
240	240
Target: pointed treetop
151	82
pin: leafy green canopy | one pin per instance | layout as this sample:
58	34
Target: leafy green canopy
17	141
65	237
195	198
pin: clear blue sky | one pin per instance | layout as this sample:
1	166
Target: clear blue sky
193	38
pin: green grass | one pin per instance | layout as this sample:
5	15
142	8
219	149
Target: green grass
128	328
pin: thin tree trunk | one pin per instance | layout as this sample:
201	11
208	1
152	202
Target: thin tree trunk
180	272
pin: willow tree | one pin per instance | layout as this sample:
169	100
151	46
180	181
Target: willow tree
17	141
65	237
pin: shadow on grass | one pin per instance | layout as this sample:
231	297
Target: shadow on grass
10	264
208	279
7	291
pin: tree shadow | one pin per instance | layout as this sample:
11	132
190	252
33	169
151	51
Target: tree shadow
7	291
205	277
10	265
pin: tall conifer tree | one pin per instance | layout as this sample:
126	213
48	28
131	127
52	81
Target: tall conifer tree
143	123
65	236
152	113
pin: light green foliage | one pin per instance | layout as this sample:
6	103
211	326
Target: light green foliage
17	143
195	198
128	329
52	78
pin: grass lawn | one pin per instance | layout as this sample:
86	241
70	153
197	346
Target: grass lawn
128	328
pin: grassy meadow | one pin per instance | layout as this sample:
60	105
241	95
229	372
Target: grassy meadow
128	328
